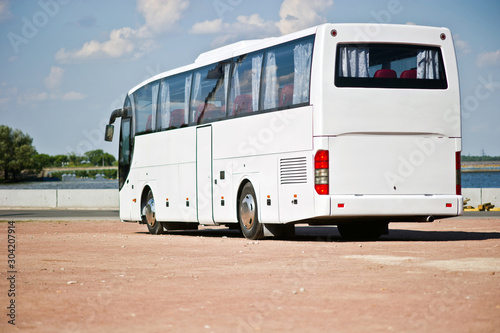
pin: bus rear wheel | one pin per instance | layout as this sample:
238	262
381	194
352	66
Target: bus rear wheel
149	215
248	214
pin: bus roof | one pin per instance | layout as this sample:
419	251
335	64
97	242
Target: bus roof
230	51
247	46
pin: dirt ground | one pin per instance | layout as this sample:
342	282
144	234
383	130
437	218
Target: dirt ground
110	276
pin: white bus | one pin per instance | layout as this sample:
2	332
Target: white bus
354	125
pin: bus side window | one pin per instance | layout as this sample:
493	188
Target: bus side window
208	96
145	107
245	84
174	100
287	74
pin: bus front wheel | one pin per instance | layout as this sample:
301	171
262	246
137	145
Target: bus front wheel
248	214
149	215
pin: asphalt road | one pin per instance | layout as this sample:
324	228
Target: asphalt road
57	214
76	214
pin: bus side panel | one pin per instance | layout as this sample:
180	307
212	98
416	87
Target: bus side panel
167	195
187	189
176	200
224	197
171	158
126	202
267	133
296	186
228	176
251	148
269	183
135	195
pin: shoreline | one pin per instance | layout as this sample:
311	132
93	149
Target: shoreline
486	166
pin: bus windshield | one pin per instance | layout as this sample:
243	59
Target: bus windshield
389	66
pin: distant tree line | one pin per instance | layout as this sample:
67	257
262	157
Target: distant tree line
480	158
91	158
18	156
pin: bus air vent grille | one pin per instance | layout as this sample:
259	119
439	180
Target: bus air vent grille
293	170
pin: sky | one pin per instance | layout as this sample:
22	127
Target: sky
66	64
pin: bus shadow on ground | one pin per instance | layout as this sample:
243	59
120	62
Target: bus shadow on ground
331	234
438	236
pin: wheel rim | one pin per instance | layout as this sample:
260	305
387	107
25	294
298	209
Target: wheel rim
151	212
247	211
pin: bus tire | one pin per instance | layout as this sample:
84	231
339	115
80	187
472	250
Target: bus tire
149	216
248	218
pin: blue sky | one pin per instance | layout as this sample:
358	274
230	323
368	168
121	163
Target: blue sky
66	64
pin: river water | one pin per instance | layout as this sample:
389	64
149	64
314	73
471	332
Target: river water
480	179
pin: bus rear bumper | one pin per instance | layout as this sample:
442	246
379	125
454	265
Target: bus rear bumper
414	207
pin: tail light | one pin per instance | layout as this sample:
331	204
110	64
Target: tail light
458	167
321	165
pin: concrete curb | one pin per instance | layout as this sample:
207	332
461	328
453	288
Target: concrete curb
64	199
479	196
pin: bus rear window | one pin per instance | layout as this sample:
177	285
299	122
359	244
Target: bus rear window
389	66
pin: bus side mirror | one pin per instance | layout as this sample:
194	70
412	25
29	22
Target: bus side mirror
108	134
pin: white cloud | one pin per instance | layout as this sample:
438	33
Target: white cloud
298	14
294	15
208	27
161	15
32	98
55	78
489	59
461	45
254	26
122	42
245	27
254	20
71	96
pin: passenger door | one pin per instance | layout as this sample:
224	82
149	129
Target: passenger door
204	187
125	156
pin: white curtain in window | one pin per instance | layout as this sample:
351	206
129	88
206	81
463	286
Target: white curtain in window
227	68
271	91
256	73
165	104
154	104
236	81
196	98
302	54
187	90
354	61
428	64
